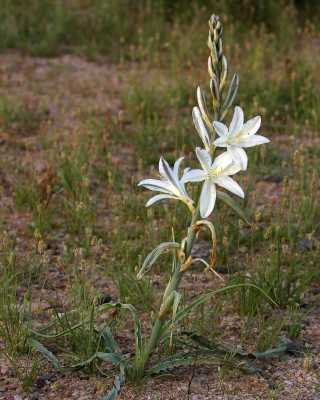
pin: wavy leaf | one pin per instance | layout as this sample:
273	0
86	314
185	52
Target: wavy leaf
109	340
154	255
34	344
175	361
118	383
114	358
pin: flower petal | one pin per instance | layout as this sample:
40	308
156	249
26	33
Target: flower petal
174	180
157	198
223	161
177	166
204	158
221	142
232	169
230	184
207	198
156	185
193	175
220	128
253	140
237	121
239	156
161	169
251	126
200	127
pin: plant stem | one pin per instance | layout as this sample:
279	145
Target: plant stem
172	286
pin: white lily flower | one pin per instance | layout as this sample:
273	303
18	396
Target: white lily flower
213	173
239	135
170	185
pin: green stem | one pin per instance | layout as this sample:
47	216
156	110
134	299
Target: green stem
172	286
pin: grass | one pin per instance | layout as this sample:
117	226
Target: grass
22	118
85	226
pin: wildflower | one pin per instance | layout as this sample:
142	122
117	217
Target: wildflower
170	185
213	173
239	135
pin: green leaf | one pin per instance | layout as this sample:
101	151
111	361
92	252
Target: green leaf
273	352
222	349
208	296
34	344
231	203
136	320
178	360
112	395
114	358
227	355
84	363
119	381
108	339
192	357
137	328
154	255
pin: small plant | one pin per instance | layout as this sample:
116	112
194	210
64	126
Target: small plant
73	176
216	171
15	321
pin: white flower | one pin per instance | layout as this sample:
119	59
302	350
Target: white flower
170	185
213	173
239	135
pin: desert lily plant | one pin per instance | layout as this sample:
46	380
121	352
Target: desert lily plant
215	172
171	185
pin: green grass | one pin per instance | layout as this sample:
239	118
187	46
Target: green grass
135	31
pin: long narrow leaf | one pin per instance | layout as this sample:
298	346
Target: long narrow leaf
136	320
34	344
137	327
154	255
178	360
119	381
114	358
207	296
109	340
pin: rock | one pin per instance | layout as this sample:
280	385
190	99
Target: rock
305	245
